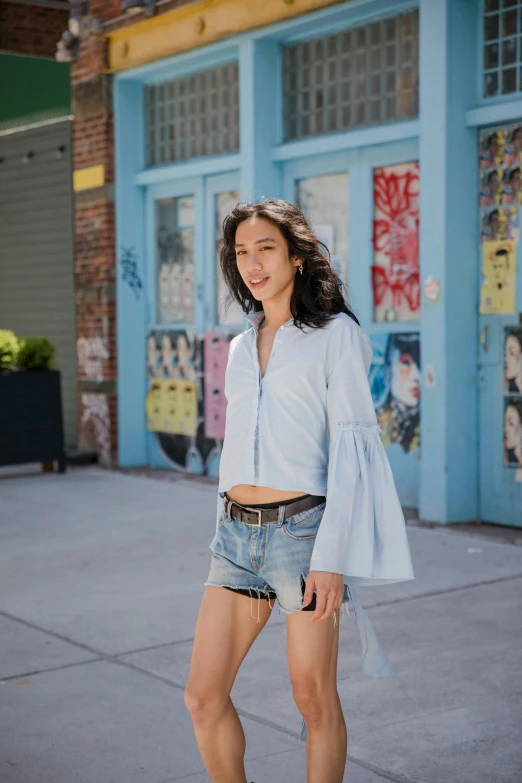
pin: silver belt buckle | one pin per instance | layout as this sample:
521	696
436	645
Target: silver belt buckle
258	511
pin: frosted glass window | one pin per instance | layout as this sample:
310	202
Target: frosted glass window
193	116
364	76
502	55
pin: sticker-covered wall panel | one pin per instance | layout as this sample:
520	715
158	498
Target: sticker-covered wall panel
513	397
186	404
501	182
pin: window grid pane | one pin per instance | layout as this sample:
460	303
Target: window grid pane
368	75
502	50
193	116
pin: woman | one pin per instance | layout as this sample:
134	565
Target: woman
513	362
306	499
513	433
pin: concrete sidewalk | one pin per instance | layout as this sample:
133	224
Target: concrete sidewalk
101	575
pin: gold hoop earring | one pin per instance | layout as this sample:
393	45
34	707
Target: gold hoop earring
301	267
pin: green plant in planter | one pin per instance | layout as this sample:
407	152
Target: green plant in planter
36	353
9	348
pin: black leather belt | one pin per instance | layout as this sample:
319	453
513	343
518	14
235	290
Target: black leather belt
267	516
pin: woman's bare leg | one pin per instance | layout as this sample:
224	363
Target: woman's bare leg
312	661
225	631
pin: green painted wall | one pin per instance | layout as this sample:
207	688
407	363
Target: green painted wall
32	88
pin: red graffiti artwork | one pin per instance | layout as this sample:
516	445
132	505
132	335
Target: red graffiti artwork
396	235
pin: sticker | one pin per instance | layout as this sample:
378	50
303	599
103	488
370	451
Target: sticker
497	293
431	289
429	374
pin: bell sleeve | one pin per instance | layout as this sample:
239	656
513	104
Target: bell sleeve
362	534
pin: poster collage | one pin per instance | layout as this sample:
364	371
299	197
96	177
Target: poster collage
513	397
500	198
186	402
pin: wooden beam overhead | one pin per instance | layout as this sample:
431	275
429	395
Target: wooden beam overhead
196	25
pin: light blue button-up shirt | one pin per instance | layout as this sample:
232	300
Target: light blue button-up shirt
309	425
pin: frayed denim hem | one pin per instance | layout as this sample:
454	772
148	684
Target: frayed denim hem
250	588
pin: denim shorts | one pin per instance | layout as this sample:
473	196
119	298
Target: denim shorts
267	561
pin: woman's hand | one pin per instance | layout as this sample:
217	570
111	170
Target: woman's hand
330	591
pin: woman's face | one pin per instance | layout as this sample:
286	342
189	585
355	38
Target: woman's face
405	379
494	224
513	357
262	253
516	181
512	428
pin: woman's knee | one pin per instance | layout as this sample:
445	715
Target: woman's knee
205	704
314	700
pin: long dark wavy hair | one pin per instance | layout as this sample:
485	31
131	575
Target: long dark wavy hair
317	294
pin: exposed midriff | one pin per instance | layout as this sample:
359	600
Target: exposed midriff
249	494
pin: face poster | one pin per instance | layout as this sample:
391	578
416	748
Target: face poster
513	432
395	380
497	293
395	269
500	196
513	360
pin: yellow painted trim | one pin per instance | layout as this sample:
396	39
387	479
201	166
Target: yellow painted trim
198	24
92	177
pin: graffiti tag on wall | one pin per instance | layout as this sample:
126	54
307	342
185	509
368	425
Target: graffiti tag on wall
395	271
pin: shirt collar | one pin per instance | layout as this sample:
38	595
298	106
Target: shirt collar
254	318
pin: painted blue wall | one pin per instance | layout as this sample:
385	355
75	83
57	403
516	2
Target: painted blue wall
131	288
448	250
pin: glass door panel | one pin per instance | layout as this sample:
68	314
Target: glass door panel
324	200
175	259
228	312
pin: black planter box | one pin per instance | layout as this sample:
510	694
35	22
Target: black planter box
31	428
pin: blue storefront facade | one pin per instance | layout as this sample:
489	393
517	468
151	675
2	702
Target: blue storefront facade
394	126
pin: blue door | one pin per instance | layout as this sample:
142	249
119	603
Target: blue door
188	321
336	192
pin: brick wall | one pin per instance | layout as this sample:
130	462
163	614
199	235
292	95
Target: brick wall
30	30
95	251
